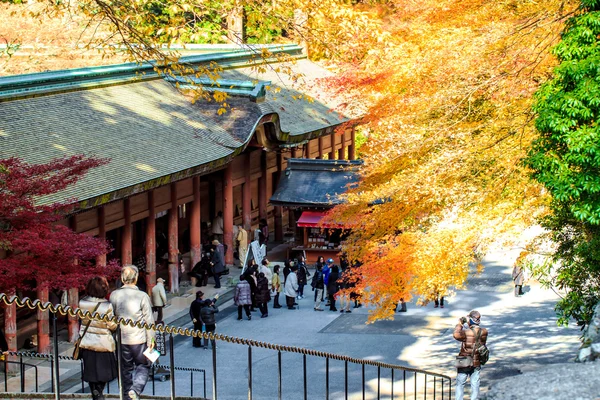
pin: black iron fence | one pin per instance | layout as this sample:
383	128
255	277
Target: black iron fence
400	382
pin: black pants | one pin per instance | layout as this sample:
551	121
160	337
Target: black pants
332	302
97	388
217	280
159	310
289	300
210	328
263	308
276	300
246	308
301	289
518	290
197	341
439	302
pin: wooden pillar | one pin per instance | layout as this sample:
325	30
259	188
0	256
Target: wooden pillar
101	259
342	150
332	152
73	293
247	196
228	214
352	147
307	150
173	242
291	219
151	244
43	325
126	257
73	302
278	209
195	246
294	152
10	330
262	186
320	148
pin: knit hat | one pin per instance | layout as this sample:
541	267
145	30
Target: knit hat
475	317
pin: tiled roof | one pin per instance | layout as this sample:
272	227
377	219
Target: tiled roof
315	183
150	132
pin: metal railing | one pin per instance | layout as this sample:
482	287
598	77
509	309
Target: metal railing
424	384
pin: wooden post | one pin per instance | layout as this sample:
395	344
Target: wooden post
247	196
342	150
126	257
294	152
101	259
228	214
278	209
196	250
173	242
307	150
332	152
151	244
10	330
262	186
73	293
320	148
43	326
352	147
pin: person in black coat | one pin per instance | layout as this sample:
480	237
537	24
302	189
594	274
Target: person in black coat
303	276
263	295
196	317
251	276
207	313
333	286
287	268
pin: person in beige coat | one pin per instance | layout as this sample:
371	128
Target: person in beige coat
97	348
159	298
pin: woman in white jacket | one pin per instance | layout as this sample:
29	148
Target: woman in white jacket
97	348
291	288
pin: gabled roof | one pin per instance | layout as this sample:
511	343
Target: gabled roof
151	133
315	183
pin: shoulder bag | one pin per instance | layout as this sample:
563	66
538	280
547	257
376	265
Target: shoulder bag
78	341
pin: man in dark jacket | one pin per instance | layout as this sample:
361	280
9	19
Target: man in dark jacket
333	286
468	337
196	317
317	285
217	263
207	313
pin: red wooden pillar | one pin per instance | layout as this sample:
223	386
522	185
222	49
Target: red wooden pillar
262	186
73	302
342	149
307	150
332	152
173	242
228	213
352	147
10	330
195	247
247	196
150	243
278	209
101	259
320	157
43	326
73	293
126	258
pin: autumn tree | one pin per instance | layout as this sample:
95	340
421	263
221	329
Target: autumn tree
565	160
40	253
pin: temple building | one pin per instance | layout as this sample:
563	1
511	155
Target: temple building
174	163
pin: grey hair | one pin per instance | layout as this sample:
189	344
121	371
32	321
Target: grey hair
129	274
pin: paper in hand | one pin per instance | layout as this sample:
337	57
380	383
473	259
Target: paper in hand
152	354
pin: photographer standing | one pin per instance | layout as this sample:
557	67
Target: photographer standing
469	337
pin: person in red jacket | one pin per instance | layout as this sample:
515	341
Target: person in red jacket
468	337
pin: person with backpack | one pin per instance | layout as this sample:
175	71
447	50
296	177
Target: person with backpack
473	353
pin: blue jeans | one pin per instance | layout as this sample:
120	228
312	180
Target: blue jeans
135	367
461	379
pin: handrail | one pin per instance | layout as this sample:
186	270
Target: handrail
77	312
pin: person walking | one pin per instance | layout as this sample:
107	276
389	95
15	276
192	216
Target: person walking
303	276
276	286
468	338
217	263
207	313
438	301
263	295
217	227
131	303
196	317
243	297
242	244
317	285
518	278
333	287
97	345
291	288
159	298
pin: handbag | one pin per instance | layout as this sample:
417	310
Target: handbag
78	341
467	361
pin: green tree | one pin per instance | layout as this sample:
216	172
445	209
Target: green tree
566	160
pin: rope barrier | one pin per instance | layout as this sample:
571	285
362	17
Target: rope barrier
78	313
